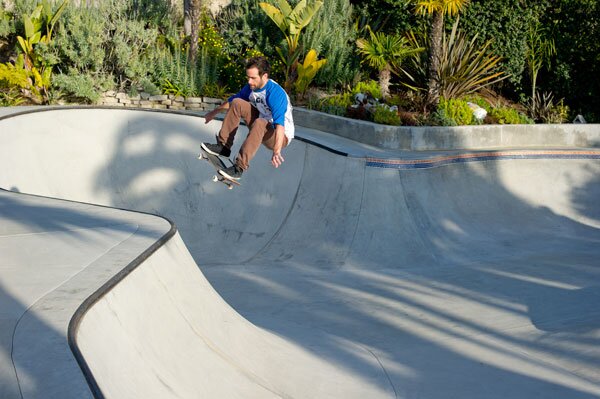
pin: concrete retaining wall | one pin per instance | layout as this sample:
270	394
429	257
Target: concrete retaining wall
427	138
163	101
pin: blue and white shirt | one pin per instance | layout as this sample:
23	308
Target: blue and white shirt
273	104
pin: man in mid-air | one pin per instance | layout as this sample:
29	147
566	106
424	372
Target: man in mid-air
266	108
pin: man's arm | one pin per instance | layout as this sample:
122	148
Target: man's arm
211	115
244	94
277	159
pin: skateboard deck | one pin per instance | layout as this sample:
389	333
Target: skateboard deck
219	164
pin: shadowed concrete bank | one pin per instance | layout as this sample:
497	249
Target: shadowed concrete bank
343	276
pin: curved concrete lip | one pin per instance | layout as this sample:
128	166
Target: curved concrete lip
352	272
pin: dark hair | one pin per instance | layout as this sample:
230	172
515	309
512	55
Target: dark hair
259	63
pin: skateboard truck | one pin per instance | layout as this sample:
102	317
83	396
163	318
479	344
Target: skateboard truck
218	163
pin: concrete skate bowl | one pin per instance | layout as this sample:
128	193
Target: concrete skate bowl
470	276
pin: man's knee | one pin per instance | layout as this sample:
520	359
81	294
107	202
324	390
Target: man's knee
261	123
238	103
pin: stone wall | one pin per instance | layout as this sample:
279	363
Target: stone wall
163	101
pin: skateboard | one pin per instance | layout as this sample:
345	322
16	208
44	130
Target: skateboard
218	163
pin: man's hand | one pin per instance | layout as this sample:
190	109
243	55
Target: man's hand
277	159
211	115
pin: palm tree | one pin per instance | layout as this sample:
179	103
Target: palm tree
437	9
194	12
385	53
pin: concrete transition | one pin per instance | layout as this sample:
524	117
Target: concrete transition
350	272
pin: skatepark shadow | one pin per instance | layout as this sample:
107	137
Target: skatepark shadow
584	203
25	340
10	311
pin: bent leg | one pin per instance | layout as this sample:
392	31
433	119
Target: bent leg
269	140
258	130
238	109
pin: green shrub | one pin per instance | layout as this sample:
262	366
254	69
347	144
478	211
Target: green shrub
332	33
370	87
506	23
82	87
455	110
386	116
478	100
439	118
7	24
12	80
175	75
509	116
105	42
245	27
336	105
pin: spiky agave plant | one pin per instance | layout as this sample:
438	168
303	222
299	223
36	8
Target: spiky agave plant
465	65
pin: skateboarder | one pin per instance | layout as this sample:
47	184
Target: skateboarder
266	108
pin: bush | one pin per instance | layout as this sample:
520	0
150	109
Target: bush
12	81
575	69
82	87
506	22
104	43
370	87
509	116
386	116
332	33
246	28
453	112
480	101
337	104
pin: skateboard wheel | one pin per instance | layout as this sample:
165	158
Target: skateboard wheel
215	178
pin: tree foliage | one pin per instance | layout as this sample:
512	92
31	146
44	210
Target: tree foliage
506	23
576	67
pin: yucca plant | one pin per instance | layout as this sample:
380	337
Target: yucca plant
542	108
465	65
385	53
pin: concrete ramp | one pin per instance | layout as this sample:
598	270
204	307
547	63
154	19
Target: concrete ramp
468	275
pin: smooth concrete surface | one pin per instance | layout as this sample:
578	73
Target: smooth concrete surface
55	254
327	278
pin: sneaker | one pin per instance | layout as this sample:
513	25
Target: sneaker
216	149
233	172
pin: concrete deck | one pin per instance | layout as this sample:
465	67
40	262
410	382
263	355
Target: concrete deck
351	272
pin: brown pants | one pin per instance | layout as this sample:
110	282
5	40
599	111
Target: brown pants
260	131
